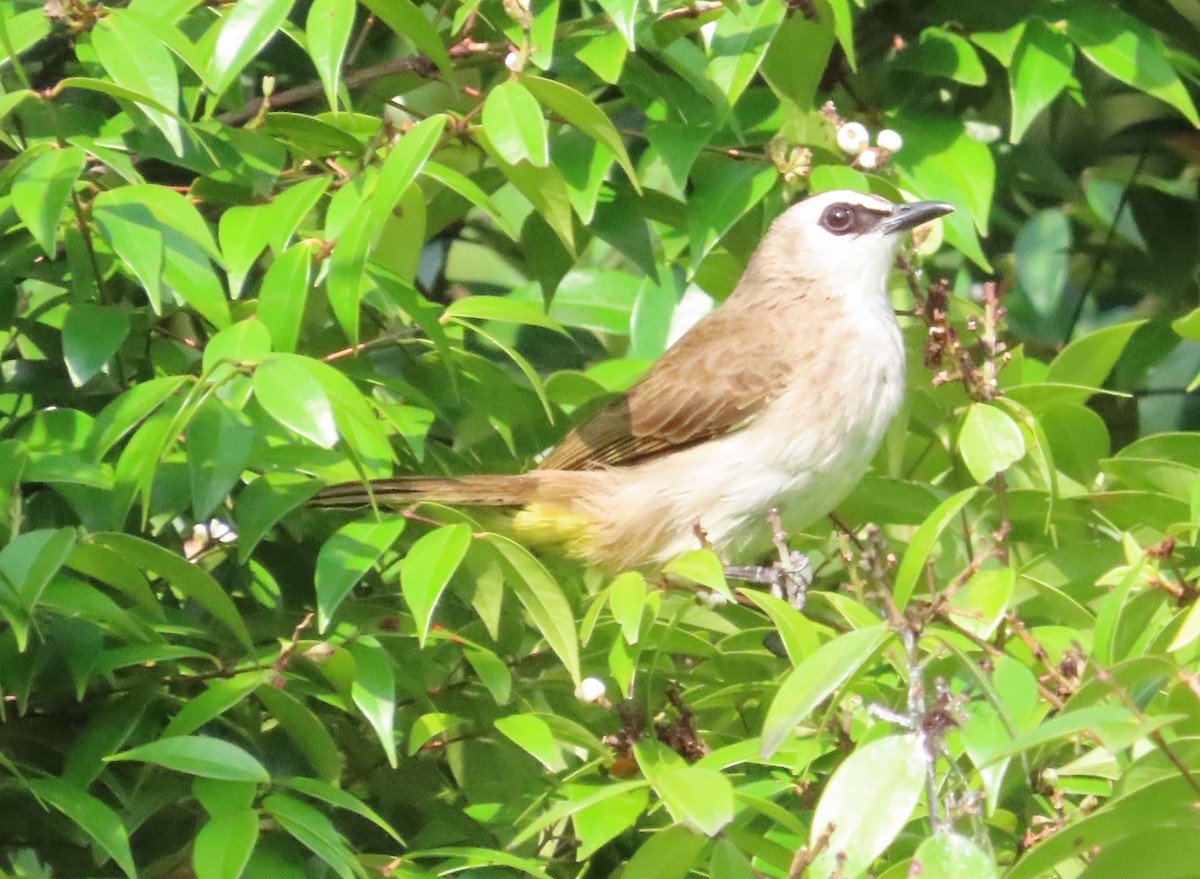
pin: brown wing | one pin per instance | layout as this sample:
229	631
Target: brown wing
711	382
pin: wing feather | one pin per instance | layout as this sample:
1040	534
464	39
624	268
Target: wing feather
711	382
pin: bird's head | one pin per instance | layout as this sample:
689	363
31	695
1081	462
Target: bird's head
842	240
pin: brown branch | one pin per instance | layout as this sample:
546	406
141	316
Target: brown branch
353	79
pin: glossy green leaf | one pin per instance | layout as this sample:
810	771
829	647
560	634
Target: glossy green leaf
502	309
582	112
306	729
1128	50
667	854
740	41
137	59
327	30
102	825
950	856
219	442
247	26
542	598
701	566
1042	251
345	558
623	14
428	567
990	441
410	22
699	798
374	692
224	845
92	334
198	755
923	542
294	398
42	190
194	582
1087	361
814	680
338	798
1039	71
513	120
313	830
347	267
941	52
533	735
283	296
888	773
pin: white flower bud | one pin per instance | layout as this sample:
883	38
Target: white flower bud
513	60
889	140
852	138
590	690
868	160
716	599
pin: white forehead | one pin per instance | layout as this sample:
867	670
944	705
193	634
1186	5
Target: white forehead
810	210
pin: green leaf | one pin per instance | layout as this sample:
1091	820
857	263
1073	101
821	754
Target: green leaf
667	854
467	188
93	817
990	441
739	42
542	597
305	729
725	190
1088	360
843	27
979	606
137	59
313	830
799	636
374	692
513	120
125	413
41	191
1039	71
504	309
262	503
940	52
624	15
428	567
950	856
889	774
218	443
814	680
220	696
338	798
410	22
1041	252
701	566
246	28
291	395
223	846
582	112
627	601
532	734
923	543
545	189
696	797
327	30
284	294
345	558
1128	50
194	582
797	58
347	266
198	755
92	334
940	160
598	823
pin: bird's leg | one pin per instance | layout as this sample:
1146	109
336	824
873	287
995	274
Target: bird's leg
789	578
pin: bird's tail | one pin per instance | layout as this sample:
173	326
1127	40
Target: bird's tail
500	490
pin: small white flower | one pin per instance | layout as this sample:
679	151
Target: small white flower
716	599
868	160
889	140
513	60
852	138
590	690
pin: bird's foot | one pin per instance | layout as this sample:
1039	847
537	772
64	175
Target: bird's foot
788	578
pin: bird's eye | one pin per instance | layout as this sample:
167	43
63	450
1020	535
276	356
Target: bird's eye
838	219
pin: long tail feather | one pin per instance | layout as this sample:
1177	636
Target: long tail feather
468	491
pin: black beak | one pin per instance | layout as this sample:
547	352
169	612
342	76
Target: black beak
906	216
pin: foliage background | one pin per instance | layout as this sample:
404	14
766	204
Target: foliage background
452	227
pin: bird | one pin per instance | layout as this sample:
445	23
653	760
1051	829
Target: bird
776	400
